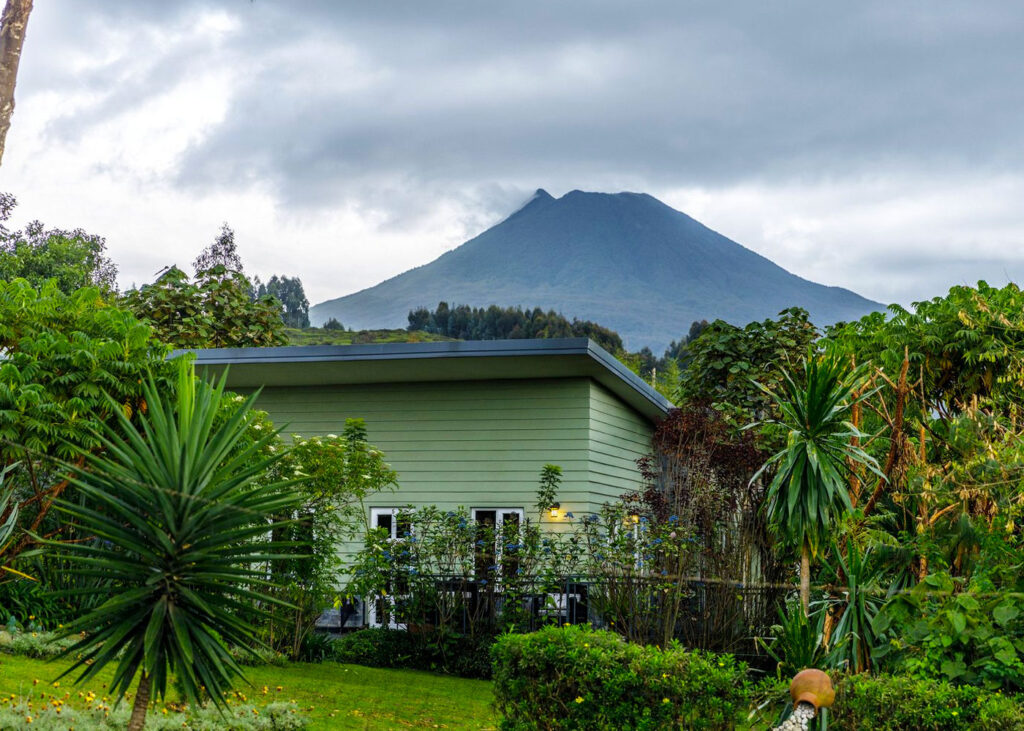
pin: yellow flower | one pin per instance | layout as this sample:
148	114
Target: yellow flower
664	700
955	713
579	699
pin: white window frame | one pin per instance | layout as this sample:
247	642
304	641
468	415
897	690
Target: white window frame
499	517
394	513
372	602
499	522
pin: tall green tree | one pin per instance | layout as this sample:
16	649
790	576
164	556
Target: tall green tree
289	292
809	490
75	259
213	311
63	354
223	252
727	362
183	520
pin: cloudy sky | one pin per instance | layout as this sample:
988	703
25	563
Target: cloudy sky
873	145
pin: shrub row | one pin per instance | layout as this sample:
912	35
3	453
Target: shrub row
581	678
34	644
48	717
898	703
460	655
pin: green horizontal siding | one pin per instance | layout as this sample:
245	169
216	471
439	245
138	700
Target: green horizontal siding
481	444
619	436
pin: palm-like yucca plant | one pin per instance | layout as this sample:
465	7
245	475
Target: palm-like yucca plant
854	638
182	532
809	489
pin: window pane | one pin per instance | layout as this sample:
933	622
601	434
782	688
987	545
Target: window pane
484	548
384	521
403	525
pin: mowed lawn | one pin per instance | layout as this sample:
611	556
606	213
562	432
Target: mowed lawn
331	695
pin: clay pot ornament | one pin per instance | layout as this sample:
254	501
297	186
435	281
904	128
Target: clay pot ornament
814	687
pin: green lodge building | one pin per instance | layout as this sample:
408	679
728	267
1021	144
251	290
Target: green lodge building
467	423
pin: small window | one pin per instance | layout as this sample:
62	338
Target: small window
395	521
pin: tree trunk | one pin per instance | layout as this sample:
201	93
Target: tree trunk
138	719
895	461
12	36
805	579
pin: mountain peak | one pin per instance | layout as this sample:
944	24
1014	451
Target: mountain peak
624	260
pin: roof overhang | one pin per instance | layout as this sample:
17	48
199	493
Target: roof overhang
472	360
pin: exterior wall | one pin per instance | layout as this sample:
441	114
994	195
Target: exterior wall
619	436
481	444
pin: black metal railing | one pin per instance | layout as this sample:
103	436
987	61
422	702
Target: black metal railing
715	615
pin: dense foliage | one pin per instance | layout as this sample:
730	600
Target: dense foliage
73	259
499	323
887	703
214	310
736	368
463	655
338	474
579	678
289	292
72	363
182	520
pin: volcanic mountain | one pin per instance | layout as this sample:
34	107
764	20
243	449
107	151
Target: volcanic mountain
625	260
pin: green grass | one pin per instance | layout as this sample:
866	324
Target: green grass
331	695
320	336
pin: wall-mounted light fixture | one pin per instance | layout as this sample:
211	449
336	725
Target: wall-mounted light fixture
634	518
554	509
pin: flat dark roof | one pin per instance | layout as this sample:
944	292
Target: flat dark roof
308	365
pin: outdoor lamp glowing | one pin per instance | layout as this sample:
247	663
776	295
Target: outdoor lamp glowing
634	518
554	509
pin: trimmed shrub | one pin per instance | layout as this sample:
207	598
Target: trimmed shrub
467	657
891	703
376	648
581	678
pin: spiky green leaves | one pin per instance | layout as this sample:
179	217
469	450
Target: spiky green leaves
182	538
809	489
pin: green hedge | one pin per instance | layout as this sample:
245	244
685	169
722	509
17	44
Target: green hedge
891	703
460	655
581	678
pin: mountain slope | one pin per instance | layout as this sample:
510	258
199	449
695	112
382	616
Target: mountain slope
626	261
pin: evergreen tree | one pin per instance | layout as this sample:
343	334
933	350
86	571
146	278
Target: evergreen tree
222	252
290	293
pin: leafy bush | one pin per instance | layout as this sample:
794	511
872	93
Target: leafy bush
376	648
59	717
468	657
972	637
580	678
796	641
316	647
891	703
35	644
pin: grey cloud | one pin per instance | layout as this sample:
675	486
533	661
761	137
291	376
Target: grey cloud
674	93
393	107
